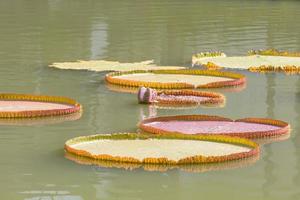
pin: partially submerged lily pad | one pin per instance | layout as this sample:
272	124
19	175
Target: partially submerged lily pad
176	79
215	125
104	65
274	52
161	149
256	61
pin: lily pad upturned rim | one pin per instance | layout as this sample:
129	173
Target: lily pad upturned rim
76	107
238	79
284	127
197	159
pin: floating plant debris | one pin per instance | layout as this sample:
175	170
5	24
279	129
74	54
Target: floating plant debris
104	65
26	106
215	125
162	149
176	79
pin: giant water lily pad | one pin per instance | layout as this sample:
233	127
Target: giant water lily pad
214	125
255	61
176	79
170	150
104	65
24	106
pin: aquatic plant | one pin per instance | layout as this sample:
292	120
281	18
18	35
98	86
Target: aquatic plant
105	65
274	61
280	127
269	68
147	95
273	52
74	106
178	97
196	159
238	79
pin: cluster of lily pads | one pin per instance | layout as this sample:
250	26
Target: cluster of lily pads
197	136
202	139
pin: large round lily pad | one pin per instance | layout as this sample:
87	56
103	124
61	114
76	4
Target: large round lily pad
171	149
255	61
176	79
105	65
24	106
214	125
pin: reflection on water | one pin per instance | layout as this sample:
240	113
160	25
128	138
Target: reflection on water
269	166
195	168
36	33
296	140
270	140
151	112
53	195
39	120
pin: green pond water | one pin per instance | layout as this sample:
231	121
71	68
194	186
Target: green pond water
35	33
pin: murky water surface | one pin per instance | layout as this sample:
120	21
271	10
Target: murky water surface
36	33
